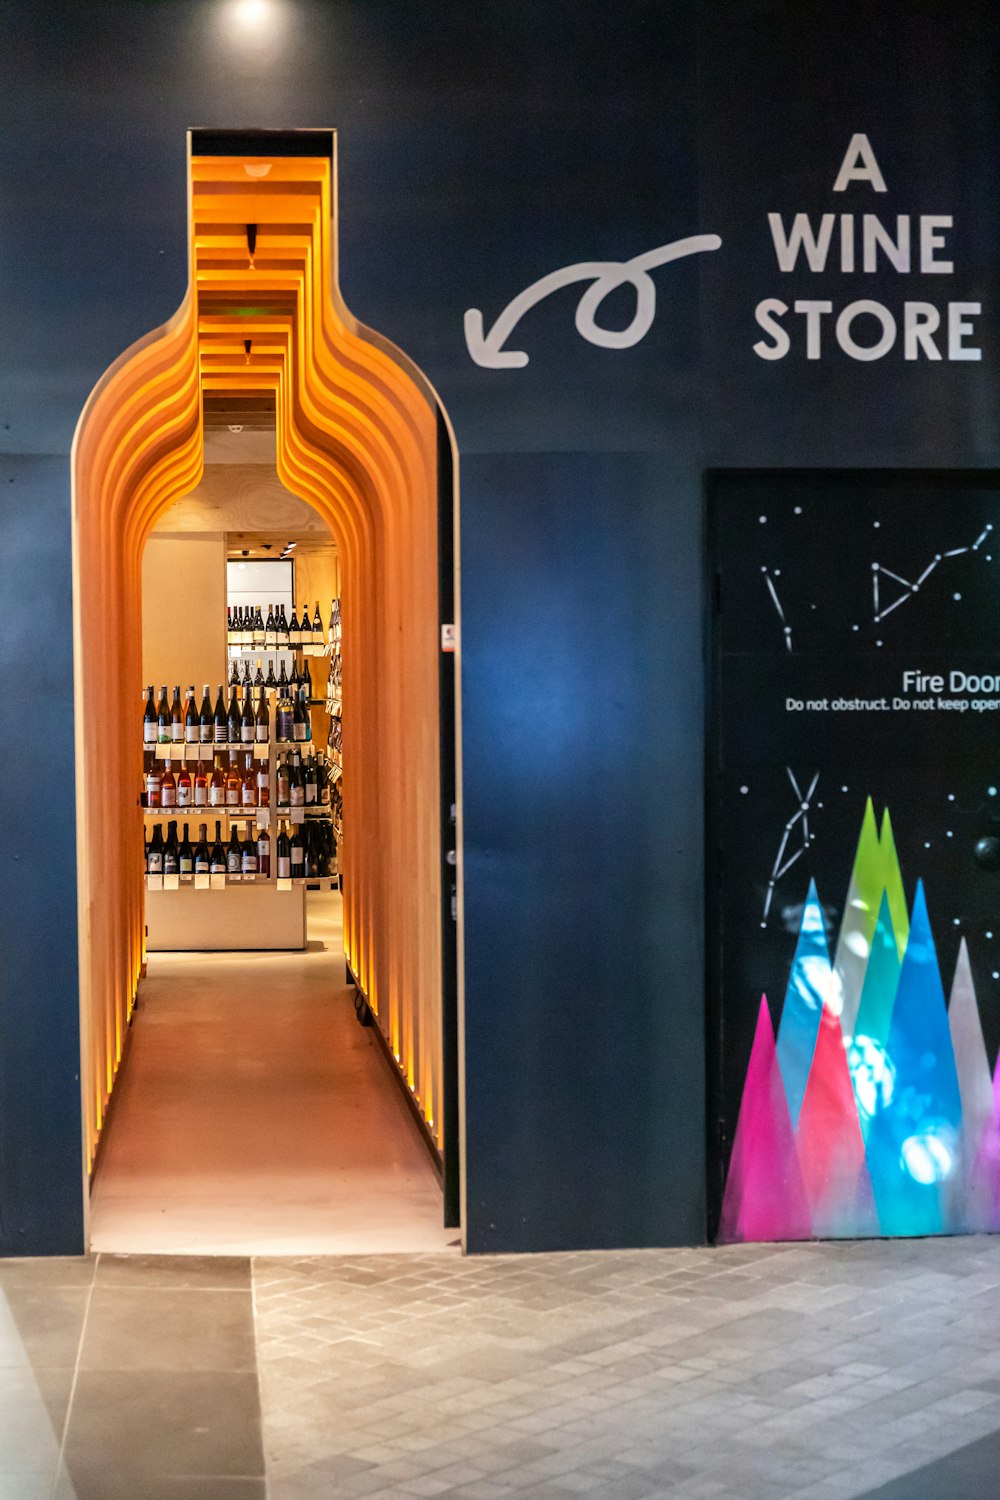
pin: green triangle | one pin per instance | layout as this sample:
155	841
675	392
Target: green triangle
892	880
857	928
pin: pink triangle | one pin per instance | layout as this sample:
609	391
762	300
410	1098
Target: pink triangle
831	1149
764	1197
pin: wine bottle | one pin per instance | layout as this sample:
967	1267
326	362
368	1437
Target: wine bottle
248	855
190	719
258	680
300	719
263	718
217	858
317	630
311	782
257	633
323	777
205	718
233	853
306	683
271	681
263	784
281	626
185	786
150	724
163	735
229	625
247	677
200	784
234	783
248	790
185	859
176	719
171	852
284	853
269	635
154	854
294	637
234	720
217	785
305	630
263	852
298	853
284	783
234	673
168	786
202	858
296	783
220	721
154	783
248	723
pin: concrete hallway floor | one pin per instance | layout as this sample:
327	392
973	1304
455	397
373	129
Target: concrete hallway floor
254	1116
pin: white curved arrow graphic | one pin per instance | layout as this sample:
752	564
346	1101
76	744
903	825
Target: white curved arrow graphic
487	348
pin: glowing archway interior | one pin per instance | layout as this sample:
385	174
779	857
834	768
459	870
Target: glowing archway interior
356	438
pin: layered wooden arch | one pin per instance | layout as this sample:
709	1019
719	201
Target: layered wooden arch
356	438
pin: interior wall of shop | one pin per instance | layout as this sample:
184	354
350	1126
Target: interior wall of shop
478	152
183	610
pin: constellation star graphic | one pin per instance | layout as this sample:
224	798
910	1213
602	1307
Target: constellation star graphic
781	863
912	586
769	577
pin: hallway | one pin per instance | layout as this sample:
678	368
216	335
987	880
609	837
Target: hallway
254	1116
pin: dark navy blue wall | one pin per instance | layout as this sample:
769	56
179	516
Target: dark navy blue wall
480	148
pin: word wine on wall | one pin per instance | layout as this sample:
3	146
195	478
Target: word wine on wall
854	244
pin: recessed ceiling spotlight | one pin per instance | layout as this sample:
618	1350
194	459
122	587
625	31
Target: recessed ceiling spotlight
236	427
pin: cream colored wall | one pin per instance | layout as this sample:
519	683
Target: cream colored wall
184	612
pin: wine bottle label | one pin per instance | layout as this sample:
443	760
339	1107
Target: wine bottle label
232	864
176	733
149	732
297	797
200	796
261	733
284	867
298	861
247	734
184	796
191	733
217	796
168	796
310	793
222	734
186	864
170	864
249	864
201	867
154	864
249	797
299	731
232	797
205	734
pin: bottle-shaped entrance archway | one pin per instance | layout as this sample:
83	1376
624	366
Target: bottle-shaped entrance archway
362	438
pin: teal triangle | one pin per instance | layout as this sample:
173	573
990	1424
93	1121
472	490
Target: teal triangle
868	1052
808	989
913	1142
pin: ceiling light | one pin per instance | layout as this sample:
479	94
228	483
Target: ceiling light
238	428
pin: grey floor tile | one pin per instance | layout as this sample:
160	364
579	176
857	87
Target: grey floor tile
108	1486
131	1328
48	1270
221	1272
155	1423
41	1324
27	1485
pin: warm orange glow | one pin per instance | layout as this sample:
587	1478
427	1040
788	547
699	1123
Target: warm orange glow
356	438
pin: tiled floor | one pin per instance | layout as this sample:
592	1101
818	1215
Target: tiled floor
817	1371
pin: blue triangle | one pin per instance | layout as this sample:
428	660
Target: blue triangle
808	988
913	1137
